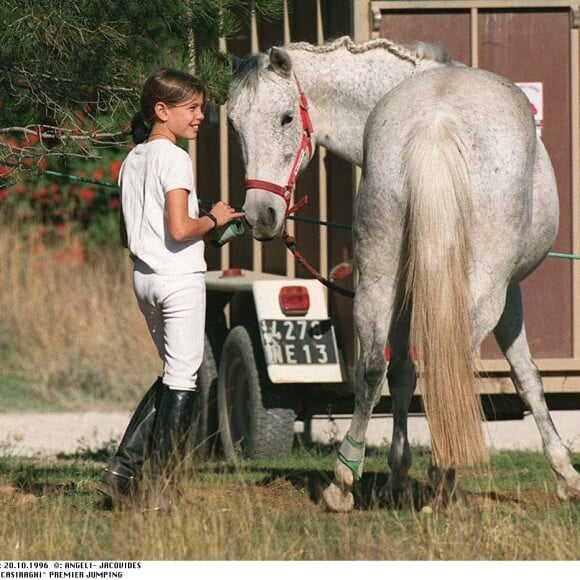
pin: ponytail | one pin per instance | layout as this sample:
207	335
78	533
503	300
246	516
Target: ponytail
140	128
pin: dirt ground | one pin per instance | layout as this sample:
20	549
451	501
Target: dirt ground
48	434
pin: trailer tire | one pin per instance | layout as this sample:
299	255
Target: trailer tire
206	429
250	428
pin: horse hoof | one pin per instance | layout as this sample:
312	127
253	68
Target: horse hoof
401	498
337	500
567	490
447	501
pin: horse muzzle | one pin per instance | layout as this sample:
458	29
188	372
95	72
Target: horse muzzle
265	219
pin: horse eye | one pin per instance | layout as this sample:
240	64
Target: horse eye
286	119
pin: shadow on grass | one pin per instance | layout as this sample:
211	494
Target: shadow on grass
309	469
28	476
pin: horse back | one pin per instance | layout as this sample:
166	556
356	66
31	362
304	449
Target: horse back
493	115
495	131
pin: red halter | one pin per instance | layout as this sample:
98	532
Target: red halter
305	145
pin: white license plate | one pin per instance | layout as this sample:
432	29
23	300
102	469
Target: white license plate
298	342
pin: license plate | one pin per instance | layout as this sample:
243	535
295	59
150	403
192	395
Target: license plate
299	342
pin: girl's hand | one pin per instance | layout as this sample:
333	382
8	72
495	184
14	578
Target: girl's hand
225	213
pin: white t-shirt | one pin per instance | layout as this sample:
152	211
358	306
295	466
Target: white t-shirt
147	174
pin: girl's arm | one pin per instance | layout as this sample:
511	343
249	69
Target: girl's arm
182	227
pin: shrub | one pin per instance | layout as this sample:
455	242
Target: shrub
60	204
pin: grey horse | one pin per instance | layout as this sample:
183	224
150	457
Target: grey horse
457	204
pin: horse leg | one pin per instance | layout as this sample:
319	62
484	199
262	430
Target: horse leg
402	379
511	337
372	324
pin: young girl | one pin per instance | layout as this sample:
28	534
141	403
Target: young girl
163	231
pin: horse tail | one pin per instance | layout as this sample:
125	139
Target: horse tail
437	286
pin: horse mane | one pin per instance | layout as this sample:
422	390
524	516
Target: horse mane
246	73
247	70
413	52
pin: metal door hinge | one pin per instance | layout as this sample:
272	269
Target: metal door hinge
376	18
575	17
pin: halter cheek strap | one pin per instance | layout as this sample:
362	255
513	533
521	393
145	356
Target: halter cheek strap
305	145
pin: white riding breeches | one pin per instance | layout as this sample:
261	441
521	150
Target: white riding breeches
174	308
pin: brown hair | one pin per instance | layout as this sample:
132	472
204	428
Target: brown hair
169	86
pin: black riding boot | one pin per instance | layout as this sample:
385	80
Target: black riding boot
172	424
122	476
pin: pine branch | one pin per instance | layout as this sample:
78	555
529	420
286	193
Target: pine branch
75	68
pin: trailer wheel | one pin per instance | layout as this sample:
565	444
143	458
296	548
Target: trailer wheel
249	428
205	433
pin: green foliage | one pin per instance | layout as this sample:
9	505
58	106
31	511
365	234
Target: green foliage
226	18
84	54
217	72
92	56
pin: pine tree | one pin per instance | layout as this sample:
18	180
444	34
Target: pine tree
70	71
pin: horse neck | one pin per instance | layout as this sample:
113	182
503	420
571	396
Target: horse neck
342	89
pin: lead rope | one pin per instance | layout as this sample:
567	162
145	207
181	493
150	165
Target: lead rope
290	243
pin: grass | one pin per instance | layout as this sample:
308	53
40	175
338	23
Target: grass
71	333
270	511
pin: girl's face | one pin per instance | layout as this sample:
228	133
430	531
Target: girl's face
181	121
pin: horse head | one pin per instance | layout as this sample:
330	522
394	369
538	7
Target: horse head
269	112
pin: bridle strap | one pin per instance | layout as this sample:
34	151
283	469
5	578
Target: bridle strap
287	190
266	186
290	243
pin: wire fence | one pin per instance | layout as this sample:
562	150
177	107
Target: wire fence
323	223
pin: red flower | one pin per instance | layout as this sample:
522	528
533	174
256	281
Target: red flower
86	194
98	174
11	142
115	203
5	171
114	168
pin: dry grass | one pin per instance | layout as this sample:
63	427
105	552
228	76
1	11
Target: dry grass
258	513
73	327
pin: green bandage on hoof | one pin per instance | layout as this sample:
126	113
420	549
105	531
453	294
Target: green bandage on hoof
352	454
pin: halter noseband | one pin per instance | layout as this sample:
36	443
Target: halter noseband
305	145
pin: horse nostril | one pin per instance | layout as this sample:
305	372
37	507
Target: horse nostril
272	216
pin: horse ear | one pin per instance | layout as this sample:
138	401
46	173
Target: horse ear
280	61
228	59
236	62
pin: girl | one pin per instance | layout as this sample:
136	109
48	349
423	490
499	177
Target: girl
163	231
